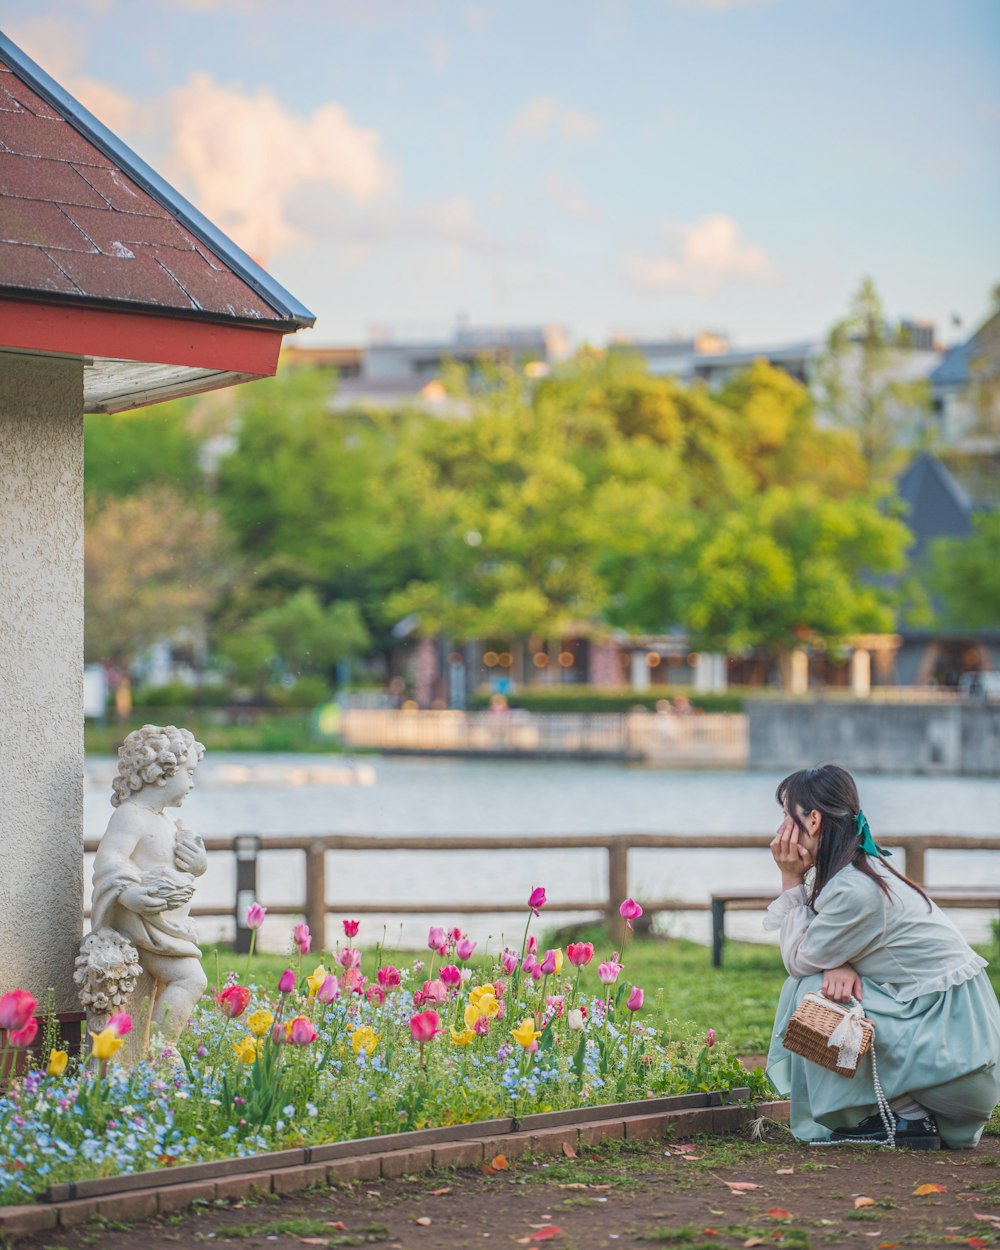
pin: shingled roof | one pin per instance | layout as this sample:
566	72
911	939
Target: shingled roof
86	224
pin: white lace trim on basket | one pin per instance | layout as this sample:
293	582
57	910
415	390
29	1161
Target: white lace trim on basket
849	1035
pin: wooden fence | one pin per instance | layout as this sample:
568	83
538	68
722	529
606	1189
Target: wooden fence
247	850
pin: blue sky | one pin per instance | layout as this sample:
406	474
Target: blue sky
648	166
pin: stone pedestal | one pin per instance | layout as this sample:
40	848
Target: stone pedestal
41	674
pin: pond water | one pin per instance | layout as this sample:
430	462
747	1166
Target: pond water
296	795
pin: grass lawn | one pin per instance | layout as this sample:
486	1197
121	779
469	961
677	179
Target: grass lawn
736	1000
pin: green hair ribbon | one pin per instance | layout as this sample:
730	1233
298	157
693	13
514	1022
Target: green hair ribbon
868	843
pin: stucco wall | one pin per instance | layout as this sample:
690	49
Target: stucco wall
942	738
41	673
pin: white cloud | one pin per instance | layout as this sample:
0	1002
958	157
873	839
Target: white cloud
543	115
707	253
572	200
247	157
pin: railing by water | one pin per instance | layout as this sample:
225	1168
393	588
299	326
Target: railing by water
316	906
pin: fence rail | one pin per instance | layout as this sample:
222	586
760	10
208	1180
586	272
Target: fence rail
247	848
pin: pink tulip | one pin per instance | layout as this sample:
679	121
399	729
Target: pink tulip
548	964
302	1032
388	977
255	915
509	961
21	1038
464	949
635	999
302	938
556	1002
536	972
436	938
528	963
629	911
710	1037
532	947
498	990
351	928
233	1001
580	954
435	991
451	976
453	936
608	971
286	982
352	981
482	1026
424	1025
16	1009
536	899
121	1023
349	957
278	1035
329	990
375	995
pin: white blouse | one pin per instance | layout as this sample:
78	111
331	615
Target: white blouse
894	940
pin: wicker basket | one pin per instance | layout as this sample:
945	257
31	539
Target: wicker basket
810	1027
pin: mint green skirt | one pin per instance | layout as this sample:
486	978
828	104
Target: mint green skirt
943	1049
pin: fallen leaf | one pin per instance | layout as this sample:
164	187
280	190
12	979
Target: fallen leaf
993	1219
373	1193
863	1202
488	1170
574	1185
887	1245
785	1172
684	1147
779	1213
440	1193
546	1234
691	1158
322	1241
423	1220
715	1211
753	1241
922	1191
710	1231
499	1163
568	1151
740	1186
338	1224
976	1242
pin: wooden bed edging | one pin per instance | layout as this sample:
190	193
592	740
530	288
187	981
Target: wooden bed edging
147	1194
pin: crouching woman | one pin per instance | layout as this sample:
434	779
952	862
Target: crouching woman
852	926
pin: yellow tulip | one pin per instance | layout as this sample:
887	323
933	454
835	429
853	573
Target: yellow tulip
260	1022
471	1015
58	1059
463	1038
559	960
525	1033
247	1049
484	997
106	1043
364	1039
316	980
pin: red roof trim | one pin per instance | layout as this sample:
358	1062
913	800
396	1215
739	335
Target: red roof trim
57	329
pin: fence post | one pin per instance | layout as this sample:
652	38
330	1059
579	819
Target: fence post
915	866
316	894
246	847
617	880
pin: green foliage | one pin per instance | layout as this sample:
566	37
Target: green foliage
966	573
580	698
126	452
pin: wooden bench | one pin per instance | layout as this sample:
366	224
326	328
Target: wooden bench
758	900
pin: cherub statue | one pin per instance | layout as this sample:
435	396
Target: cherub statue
144	877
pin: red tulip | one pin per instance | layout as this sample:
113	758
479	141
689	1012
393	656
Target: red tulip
16	1009
424	1025
20	1038
302	1032
233	1000
121	1022
450	975
351	928
389	977
536	900
580	954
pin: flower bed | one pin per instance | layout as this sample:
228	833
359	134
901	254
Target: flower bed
351	1048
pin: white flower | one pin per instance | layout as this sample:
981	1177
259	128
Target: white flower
574	1019
466	975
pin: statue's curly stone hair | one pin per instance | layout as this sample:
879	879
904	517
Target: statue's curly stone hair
150	755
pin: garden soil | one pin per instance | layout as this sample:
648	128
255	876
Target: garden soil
718	1192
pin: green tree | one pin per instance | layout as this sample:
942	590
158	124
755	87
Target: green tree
965	572
863	386
128	452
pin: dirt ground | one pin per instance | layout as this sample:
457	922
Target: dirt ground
718	1192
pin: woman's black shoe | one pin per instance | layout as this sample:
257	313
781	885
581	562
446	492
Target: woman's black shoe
919	1134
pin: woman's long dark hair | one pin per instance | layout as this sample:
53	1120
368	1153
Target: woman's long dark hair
830	790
